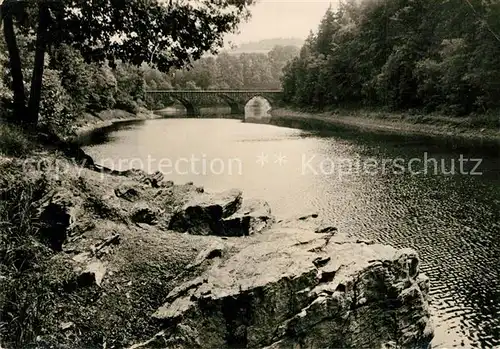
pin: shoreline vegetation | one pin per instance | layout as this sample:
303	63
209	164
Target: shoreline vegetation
470	128
90	122
433	64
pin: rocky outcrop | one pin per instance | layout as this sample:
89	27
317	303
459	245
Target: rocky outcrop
143	213
57	215
119	259
253	217
222	214
203	214
309	222
298	289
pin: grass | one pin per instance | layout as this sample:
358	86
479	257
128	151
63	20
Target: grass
15	142
25	292
472	122
40	288
21	258
31	275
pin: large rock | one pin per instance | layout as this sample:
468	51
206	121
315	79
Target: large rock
288	288
254	216
145	213
204	214
299	289
57	216
310	221
223	214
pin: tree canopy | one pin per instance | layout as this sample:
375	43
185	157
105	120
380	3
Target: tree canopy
163	34
432	55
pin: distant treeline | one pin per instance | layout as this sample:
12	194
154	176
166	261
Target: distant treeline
268	44
227	71
430	55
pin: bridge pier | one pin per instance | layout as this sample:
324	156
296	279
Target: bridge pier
237	108
192	110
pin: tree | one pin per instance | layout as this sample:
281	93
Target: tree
403	54
279	56
161	34
76	77
130	86
327	29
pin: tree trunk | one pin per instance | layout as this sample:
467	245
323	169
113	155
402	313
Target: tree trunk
15	64
37	78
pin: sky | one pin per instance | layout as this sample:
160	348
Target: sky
282	18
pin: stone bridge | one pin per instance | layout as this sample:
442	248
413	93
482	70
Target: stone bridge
194	99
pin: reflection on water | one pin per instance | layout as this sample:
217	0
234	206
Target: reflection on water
176	111
258	109
106	134
452	220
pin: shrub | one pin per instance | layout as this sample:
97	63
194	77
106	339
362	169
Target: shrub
5	92
14	141
76	77
127	104
103	89
55	107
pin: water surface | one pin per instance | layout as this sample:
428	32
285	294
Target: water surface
452	220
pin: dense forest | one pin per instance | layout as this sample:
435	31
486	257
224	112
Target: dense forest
72	86
243	71
427	55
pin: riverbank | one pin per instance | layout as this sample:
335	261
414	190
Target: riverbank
426	125
87	250
90	122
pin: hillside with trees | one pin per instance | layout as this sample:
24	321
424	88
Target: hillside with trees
428	55
264	46
226	71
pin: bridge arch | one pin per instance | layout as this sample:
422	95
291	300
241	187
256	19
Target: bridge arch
238	103
258	107
191	108
269	100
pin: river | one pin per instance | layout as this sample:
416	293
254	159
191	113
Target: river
397	190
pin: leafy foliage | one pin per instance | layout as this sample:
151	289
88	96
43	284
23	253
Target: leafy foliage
76	76
164	34
103	88
54	103
159	33
401	54
15	142
5	92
